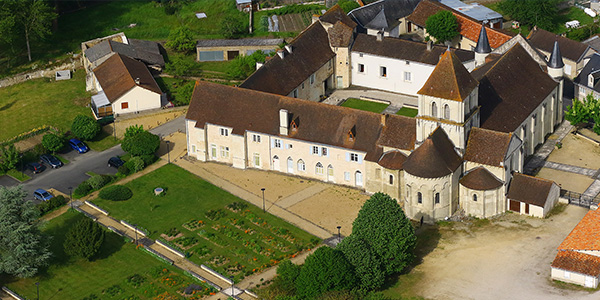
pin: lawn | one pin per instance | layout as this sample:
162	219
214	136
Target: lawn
570	14
365	105
409	112
119	272
103	141
39	102
212	226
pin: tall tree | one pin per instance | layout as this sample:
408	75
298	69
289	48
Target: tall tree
33	18
542	13
84	239
325	270
443	26
23	249
382	224
367	264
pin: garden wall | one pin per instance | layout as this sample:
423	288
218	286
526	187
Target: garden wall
48	73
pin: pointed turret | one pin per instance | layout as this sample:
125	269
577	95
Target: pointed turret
555	63
483	47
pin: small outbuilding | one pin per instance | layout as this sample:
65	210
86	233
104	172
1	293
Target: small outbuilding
528	195
63	75
227	49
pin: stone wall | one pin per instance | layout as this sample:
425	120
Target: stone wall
48	73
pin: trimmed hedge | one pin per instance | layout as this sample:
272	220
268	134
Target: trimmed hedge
48	206
82	189
116	193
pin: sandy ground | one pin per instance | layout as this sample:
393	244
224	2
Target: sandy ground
508	259
149	120
566	180
577	151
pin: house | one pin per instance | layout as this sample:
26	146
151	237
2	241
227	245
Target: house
469	29
573	52
594	42
578	257
124	85
588	80
228	49
476	11
383	15
531	195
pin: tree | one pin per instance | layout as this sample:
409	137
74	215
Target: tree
348	5
180	66
23	248
85	127
577	113
143	143
133	130
287	272
243	66
181	39
542	13
184	93
382	224
443	26
84	239
52	142
33	17
325	270
233	26
367	264
10	157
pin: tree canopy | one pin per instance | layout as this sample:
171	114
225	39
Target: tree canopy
325	270
85	127
9	157
443	26
381	223
348	5
542	13
84	239
52	142
23	249
244	65
233	27
366	262
143	143
181	39
582	112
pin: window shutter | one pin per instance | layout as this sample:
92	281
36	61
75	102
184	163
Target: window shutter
360	159
347	156
272	143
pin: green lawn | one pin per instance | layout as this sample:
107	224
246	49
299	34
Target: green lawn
39	102
107	276
365	105
570	14
103	141
236	241
409	112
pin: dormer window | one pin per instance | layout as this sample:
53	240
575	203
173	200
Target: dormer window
294	125
352	134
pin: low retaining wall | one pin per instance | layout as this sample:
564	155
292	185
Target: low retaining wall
589	139
117	231
216	274
204	280
133	228
49	73
92	205
374	100
85	213
170	249
166	259
251	294
12	294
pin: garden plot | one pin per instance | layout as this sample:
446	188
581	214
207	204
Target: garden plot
289	22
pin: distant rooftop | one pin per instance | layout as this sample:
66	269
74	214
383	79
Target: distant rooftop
243	1
473	10
239	42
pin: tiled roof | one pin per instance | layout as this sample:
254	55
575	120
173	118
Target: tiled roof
593	42
529	189
449	80
145	51
435	158
506	101
544	40
577	262
392	160
335	14
487	147
391	10
238	42
405	50
310	51
117	76
592	67
468	27
243	110
399	132
481	179
586	235
340	35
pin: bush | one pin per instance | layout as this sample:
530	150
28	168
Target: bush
325	270
148	159
144	143
82	189
116	193
233	26
135	164
133	130
96	182
84	239
53	142
181	39
124	170
85	127
287	272
53	203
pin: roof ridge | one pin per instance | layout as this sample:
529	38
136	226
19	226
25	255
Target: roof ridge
533	177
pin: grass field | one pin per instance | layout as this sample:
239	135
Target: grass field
44	101
119	272
409	112
365	105
198	217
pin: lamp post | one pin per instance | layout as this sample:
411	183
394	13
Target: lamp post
263	193
37	287
231	277
168	154
339	234
70	196
135	230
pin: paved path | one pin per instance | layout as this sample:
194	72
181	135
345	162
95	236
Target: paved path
593	190
304	194
570	168
540	156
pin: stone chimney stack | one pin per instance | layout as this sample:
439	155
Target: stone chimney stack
283	122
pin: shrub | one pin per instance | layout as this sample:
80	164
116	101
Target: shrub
82	189
116	193
85	127
148	159
84	239
181	39
124	170
98	181
133	130
287	272
233	26
9	157
325	270
135	164
53	203
144	143
53	142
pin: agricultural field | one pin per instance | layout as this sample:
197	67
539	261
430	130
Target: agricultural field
120	271
210	225
371	106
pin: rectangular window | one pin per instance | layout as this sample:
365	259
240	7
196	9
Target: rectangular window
347	176
315	150
391	179
224	151
213	151
383	71
353	157
407	76
288	146
303	85
407	62
319	169
256	160
124	105
193	148
224	132
295	93
256	138
324	151
361	68
360	55
277	143
312	78
330	64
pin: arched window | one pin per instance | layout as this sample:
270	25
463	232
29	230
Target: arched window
358	178
474	197
301	165
434	110
330	171
392	179
319	169
446	112
290	165
419	197
437	198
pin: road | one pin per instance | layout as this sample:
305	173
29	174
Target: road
73	173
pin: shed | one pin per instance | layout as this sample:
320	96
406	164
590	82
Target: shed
63	75
532	196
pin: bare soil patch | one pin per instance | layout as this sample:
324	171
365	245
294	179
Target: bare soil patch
566	180
577	151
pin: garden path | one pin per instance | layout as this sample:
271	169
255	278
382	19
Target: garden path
540	156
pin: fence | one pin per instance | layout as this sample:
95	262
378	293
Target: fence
579	199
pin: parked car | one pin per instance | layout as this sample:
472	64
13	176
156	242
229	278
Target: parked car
115	162
35	167
42	195
78	145
51	160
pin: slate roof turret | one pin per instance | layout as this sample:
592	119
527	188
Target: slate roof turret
483	44
556	60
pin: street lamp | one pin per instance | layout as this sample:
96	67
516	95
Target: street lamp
168	154
339	234
135	230
231	277
70	196
37	287
263	193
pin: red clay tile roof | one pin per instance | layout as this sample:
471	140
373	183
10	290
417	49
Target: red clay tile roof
468	27
481	179
449	79
586	235
399	132
544	40
335	14
529	189
117	76
435	158
340	35
392	160
577	262
248	110
487	147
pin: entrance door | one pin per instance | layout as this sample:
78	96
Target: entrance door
589	282
526	208
515	206
340	82
358	178
232	54
330	173
290	165
276	163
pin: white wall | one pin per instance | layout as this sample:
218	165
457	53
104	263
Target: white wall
572	277
138	99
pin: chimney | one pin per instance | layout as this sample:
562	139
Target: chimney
380	35
280	53
283	122
288	48
429	45
137	80
383	118
259	64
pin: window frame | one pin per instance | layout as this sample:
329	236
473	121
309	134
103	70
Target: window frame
383	71
319	168
277	143
224	131
124	105
361	68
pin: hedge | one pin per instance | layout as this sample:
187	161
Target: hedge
116	193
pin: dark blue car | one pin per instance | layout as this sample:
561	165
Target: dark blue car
78	145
